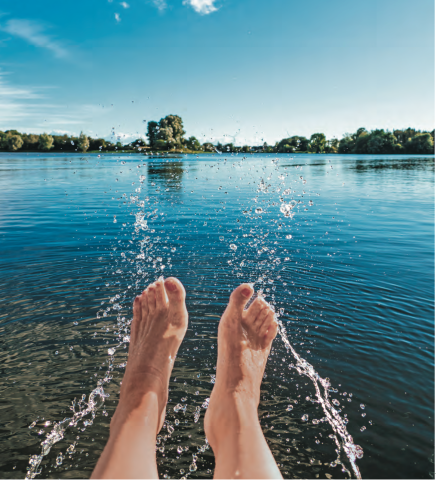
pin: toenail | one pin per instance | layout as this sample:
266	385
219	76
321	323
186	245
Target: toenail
246	292
171	286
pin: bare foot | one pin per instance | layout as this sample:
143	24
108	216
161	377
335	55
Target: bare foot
231	424
160	320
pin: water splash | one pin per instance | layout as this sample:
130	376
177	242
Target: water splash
343	440
95	401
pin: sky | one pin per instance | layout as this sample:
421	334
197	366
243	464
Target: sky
241	71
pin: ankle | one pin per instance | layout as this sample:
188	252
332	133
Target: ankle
147	407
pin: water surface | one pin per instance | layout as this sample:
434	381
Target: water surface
342	246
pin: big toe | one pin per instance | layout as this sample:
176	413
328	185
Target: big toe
175	291
239	298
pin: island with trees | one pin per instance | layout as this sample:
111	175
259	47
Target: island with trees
168	135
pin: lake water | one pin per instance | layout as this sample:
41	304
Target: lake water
342	246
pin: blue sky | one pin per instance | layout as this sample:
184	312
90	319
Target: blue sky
246	71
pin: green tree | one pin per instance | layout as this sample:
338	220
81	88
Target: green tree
193	144
30	141
346	144
171	130
45	142
381	141
208	147
15	142
97	143
361	141
152	131
359	132
317	143
83	143
229	147
332	146
422	143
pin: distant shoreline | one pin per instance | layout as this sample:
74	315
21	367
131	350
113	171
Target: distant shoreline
167	137
166	153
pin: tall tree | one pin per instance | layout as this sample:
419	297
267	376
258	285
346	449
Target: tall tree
317	143
45	142
15	142
193	144
83	142
174	129
422	143
152	131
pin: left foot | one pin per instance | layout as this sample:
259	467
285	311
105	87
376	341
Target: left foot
160	320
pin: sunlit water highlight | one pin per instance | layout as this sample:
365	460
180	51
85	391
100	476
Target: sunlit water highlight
287	225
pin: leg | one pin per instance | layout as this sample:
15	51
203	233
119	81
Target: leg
159	324
232	424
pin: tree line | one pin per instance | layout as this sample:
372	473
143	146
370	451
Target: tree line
168	135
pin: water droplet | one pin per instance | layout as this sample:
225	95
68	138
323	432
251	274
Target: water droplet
259	210
111	351
288	237
289	408
233	246
305	417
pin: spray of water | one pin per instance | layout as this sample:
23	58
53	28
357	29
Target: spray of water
148	262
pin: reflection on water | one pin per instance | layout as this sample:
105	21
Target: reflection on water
413	163
338	264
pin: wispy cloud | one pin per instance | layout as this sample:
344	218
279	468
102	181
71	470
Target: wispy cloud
203	7
34	33
29	108
117	17
124	4
160	4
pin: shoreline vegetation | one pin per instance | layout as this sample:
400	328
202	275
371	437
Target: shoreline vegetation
167	136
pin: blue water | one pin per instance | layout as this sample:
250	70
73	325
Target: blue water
352	269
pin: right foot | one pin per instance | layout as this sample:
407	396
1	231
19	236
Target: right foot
244	342
159	324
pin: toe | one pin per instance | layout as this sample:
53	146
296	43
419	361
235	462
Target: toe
239	297
160	294
151	295
268	330
137	314
260	319
144	304
175	291
253	311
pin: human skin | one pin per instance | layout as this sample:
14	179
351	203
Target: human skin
160	320
232	423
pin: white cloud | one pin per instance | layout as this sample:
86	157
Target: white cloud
203	7
124	138
117	17
33	32
160	4
26	109
124	5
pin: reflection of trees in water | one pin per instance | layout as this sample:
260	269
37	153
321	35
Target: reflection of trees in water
418	163
171	172
167	175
